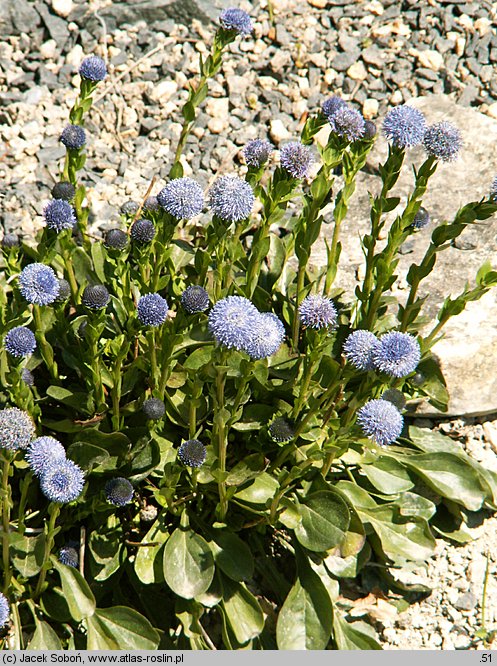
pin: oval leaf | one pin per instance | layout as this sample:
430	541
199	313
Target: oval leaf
304	622
44	638
325	520
188	563
232	555
242	611
120	628
78	595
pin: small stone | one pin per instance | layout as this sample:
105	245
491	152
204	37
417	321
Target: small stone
490	432
358	71
48	49
431	59
343	61
217	125
62	7
483	26
163	91
466	601
492	110
320	4
460	45
278	131
396	97
370	108
375	7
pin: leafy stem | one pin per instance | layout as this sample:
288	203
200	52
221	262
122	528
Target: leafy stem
51	531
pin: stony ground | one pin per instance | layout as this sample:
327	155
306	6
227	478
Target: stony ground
374	53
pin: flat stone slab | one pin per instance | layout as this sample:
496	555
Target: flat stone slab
468	352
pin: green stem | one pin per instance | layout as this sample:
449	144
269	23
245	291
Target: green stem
153	357
6	503
71	278
296	319
25	484
54	511
45	348
221	435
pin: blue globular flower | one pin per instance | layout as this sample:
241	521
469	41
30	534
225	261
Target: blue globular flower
95	297
421	219
10	240
257	152
232	321
59	215
73	136
331	105
38	284
348	123
231	198
266	337
4	610
396	397
116	239
27	377
192	453
380	421
296	159
20	341
62	481
154	409
493	190
142	231
151	204
119	491
358	349
195	299
68	554
404	126
369	130
443	141
182	198
317	311
63	190
64	290
152	310
397	354
42	452
280	430
16	429
236	19
93	68
129	208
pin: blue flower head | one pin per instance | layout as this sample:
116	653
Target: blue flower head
369	130
443	141
16	429
317	311
154	409
10	240
4	610
27	377
236	19
280	430
119	491
358	349
421	219
182	198
396	397
116	239
192	453
62	481
331	105
142	231
93	68
381	421
38	284
404	126
195	299
63	190
20	341
151	204
42	452
296	159
348	123
64	290
59	215
152	310
129	208
257	152
397	354
68	555
95	297
266	337
232	321
73	136
231	198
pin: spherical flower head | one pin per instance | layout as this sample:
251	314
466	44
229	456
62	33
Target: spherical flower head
152	310
359	347
154	409
380	421
348	123
236	19
59	215
493	190
142	231
42	452
63	190
39	284
404	126
280	430
27	377
192	453
195	299
232	321
296	159
266	337
116	239
20	341
421	219
95	297
396	397
119	491
443	141
331	105
369	130
64	290
397	354
68	555
231	198
93	68
182	198
16	429
317	311
62	481
4	610
73	137
129	208
148	513
257	152
151	204
10	240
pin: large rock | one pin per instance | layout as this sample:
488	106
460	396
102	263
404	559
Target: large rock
17	16
468	352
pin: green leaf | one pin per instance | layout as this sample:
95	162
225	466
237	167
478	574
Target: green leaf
198	358
232	555
260	491
77	593
120	628
105	548
44	637
188	563
27	553
434	385
242	610
388	475
98	257
325	520
355	636
87	455
248	468
146	561
144	461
